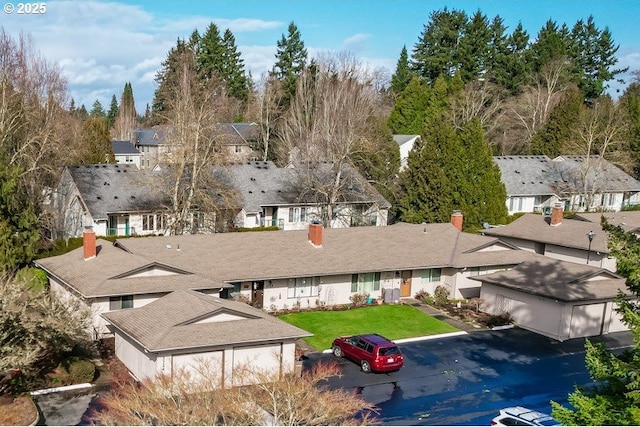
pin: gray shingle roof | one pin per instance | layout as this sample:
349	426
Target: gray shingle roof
264	184
171	322
150	136
401	139
540	175
628	220
560	280
233	257
239	133
344	251
111	188
124	148
100	275
569	233
526	175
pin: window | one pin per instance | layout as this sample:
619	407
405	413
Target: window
297	214
197	220
118	303
365	282
431	275
516	204
152	222
475	271
238	148
129	159
148	222
303	287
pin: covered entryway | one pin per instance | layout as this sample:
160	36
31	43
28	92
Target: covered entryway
257	293
405	283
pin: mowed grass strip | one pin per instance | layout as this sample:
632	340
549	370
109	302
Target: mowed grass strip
391	321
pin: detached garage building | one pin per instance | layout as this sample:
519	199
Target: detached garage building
558	299
186	329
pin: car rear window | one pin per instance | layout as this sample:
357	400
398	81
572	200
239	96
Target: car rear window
388	351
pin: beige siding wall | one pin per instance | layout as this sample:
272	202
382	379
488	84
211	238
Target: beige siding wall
141	364
540	315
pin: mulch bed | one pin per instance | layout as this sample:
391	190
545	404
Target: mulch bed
17	411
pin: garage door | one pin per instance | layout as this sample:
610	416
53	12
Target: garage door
206	365
586	320
248	361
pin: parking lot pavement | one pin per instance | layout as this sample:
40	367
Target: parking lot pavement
466	379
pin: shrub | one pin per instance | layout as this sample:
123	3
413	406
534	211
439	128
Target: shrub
34	278
424	296
441	295
75	370
359	299
498	320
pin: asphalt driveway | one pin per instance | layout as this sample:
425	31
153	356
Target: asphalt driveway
465	380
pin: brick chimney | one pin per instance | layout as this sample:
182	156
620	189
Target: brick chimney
315	234
556	214
89	243
456	220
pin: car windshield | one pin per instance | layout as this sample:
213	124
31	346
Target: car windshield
388	351
548	422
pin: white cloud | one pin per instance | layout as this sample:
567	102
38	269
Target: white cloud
356	42
100	46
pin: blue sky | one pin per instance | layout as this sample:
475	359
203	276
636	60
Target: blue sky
101	45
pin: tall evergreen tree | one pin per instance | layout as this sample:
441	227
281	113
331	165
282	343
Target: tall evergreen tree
426	188
291	60
437	51
167	77
473	50
480	184
97	110
409	112
96	141
234	74
210	56
593	53
558	131
127	117
113	111
510	68
452	170
552	43
403	74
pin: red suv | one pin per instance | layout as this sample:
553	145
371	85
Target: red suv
372	351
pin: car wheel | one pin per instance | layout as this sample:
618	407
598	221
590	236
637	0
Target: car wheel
337	351
365	366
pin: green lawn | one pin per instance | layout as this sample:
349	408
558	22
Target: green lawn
392	321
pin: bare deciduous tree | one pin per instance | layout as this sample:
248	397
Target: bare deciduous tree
478	99
600	131
267	109
526	114
193	397
33	123
196	107
327	121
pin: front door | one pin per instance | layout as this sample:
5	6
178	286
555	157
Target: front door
405	283
257	293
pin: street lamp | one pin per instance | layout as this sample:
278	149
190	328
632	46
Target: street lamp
590	235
